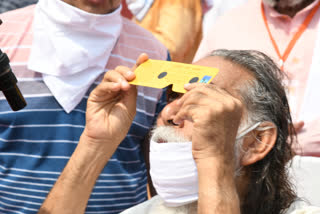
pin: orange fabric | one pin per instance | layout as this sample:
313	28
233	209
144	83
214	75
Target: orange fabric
296	36
177	24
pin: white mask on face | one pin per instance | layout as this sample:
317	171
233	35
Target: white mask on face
71	48
173	170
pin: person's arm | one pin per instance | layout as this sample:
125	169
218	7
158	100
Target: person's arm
217	188
72	190
215	115
111	108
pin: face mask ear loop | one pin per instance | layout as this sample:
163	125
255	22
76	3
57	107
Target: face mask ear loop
264	129
243	135
238	138
246	131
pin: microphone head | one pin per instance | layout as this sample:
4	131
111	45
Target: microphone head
8	84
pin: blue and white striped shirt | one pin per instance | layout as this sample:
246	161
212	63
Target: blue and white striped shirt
37	141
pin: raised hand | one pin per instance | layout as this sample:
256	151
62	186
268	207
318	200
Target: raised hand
215	115
110	111
111	106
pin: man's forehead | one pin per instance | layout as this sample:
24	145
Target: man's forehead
230	74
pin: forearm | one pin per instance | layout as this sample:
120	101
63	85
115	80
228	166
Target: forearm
217	189
72	190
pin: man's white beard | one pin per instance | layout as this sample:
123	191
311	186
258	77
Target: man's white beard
167	134
163	134
283	3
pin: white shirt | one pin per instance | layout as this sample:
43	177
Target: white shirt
155	206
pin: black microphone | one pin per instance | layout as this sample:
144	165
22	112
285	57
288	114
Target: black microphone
8	84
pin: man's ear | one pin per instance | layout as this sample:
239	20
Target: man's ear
258	143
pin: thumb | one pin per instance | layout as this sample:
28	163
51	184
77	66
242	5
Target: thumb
130	100
141	59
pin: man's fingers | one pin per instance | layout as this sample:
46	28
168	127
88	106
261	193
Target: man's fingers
104	90
116	77
190	86
141	59
194	96
109	86
126	72
184	113
196	91
130	98
201	96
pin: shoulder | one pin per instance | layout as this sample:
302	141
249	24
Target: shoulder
17	21
143	208
301	207
154	205
21	12
305	210
136	31
16	39
137	39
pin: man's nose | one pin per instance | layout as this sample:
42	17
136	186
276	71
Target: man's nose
168	113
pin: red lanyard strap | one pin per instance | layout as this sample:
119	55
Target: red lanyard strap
296	36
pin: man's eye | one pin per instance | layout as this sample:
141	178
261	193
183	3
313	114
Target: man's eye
173	96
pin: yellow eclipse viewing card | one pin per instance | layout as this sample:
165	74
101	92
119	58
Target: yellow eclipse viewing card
160	74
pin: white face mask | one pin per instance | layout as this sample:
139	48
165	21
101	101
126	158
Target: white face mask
174	172
71	48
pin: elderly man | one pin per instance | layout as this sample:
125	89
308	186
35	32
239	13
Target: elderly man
286	30
59	51
224	145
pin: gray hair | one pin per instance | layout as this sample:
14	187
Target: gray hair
269	190
261	96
